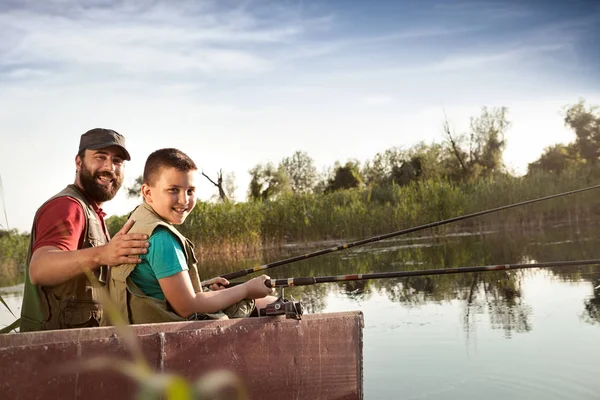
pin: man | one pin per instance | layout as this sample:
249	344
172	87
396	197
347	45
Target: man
69	235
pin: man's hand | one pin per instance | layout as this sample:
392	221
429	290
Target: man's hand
124	248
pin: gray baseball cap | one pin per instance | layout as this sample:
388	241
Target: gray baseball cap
99	138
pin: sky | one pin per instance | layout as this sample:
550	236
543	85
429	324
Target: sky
238	83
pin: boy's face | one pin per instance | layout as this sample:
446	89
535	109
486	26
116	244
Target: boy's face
172	195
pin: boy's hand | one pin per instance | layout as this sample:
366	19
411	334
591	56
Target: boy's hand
124	247
257	289
219	283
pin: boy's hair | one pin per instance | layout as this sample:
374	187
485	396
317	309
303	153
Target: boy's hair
162	158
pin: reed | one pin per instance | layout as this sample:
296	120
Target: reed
13	255
244	228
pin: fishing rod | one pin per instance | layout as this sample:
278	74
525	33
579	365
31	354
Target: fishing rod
244	272
294	310
3	203
290	282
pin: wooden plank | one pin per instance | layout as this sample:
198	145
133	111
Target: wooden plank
318	357
33	372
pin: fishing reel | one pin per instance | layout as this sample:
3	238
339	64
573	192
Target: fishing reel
292	309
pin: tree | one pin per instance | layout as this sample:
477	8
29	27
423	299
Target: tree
230	186
409	171
268	182
302	172
400	167
345	177
135	190
586	124
479	152
219	184
114	223
379	171
556	159
428	158
326	175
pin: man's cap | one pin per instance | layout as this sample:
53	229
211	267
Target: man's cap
99	138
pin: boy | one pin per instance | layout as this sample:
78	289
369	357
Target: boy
165	286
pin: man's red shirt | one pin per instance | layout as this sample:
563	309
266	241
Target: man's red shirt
61	224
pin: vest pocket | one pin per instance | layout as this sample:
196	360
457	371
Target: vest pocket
80	313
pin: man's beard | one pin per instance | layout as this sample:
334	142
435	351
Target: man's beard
95	191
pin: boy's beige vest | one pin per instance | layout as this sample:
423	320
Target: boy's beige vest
72	304
133	304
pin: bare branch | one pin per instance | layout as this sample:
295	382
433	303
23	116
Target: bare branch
210	180
455	149
219	184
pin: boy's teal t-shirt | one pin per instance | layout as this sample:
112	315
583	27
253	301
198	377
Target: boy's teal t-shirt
165	257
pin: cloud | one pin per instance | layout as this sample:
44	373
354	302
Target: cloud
459	62
354	44
489	11
112	38
378	100
68	41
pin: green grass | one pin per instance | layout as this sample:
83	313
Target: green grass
13	256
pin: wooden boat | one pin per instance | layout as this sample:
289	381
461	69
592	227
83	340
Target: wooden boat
317	357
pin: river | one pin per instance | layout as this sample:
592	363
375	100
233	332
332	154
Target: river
518	335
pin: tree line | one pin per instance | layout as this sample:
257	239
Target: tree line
462	157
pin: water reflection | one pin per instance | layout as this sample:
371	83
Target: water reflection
592	307
502	301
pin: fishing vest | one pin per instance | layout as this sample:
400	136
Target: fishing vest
138	308
72	304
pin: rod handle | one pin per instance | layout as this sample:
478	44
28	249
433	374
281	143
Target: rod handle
233	275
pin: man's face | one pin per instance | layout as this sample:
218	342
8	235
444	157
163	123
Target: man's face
172	195
101	173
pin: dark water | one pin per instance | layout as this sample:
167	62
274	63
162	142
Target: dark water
531	334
